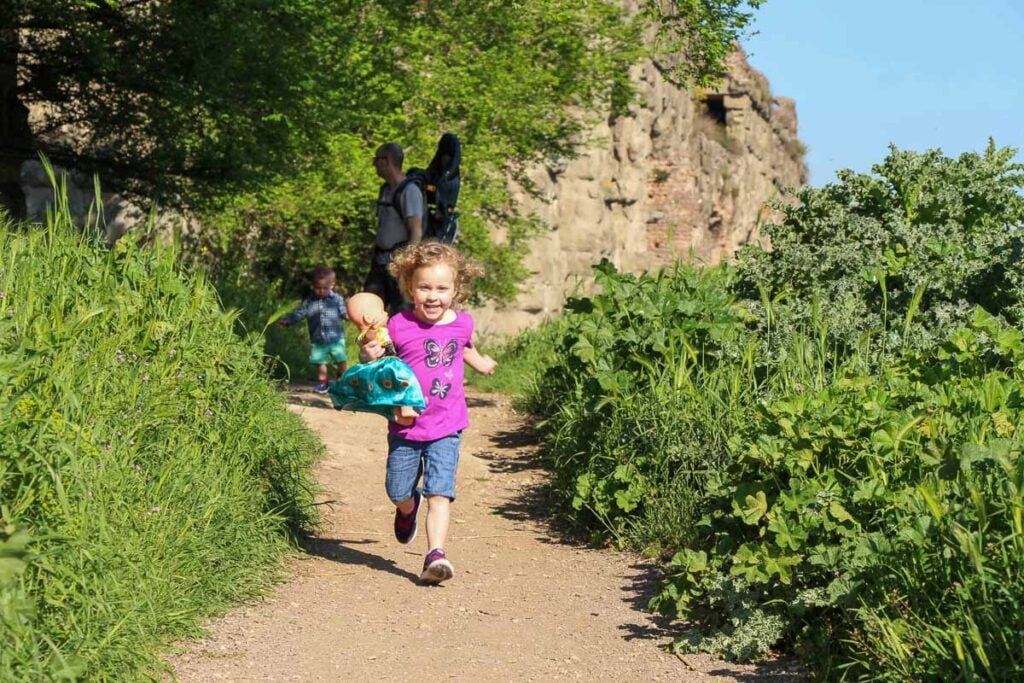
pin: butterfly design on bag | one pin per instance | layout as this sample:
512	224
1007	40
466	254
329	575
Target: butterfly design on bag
437	355
439	389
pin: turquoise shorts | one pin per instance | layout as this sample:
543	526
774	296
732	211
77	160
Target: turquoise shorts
322	354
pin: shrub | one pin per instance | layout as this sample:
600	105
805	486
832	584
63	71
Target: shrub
643	393
831	428
149	473
875	519
926	237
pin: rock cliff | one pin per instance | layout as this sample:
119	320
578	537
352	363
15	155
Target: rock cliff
687	172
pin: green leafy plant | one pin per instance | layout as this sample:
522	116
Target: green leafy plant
634	396
841	416
150	474
859	494
925	237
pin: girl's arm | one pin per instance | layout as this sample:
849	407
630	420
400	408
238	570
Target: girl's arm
370	346
483	364
371	349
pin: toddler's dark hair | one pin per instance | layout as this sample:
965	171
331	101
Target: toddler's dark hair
322	273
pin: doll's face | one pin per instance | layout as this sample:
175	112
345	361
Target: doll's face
363	307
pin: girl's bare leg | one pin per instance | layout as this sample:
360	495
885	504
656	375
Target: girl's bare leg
438	511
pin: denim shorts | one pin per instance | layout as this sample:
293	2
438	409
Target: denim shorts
435	460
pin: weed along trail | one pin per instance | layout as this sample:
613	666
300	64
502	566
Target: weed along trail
523	605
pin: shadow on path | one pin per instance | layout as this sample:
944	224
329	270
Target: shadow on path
480	402
340	550
641	588
298	397
523	437
516	452
534	499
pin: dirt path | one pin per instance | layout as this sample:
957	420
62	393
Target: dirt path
523	606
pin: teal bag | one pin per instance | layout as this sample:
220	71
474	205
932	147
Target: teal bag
378	387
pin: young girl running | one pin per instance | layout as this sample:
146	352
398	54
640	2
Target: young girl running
434	339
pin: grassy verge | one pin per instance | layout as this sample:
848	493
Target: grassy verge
150	474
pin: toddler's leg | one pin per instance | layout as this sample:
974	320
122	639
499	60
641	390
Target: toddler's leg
342	367
321	381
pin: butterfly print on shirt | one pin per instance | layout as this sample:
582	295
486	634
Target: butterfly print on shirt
437	388
436	355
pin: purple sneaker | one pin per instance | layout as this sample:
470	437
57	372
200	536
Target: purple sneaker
436	568
321	388
405	525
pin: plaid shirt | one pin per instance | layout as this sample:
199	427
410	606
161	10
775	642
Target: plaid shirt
323	316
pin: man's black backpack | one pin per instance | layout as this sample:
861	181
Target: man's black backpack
440	183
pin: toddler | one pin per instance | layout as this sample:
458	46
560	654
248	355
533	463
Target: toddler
324	311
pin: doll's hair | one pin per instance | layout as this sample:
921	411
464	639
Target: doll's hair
430	253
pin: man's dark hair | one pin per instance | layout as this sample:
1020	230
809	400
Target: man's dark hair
393	151
322	273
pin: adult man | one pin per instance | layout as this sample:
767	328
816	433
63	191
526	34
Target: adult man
400	213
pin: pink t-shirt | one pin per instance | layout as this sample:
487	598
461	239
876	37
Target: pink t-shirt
434	352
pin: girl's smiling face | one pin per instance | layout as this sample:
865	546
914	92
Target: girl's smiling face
433	290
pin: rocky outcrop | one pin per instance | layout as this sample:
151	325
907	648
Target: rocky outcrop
687	173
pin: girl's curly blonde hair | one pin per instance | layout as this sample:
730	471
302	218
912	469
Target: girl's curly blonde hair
429	253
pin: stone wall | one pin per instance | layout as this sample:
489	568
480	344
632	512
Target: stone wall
687	172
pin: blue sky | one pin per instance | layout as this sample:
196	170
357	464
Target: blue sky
946	74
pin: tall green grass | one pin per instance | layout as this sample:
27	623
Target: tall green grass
518	359
150	474
639	388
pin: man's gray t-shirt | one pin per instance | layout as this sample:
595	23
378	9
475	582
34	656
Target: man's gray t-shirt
391	229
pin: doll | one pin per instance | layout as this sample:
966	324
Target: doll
366	311
386	386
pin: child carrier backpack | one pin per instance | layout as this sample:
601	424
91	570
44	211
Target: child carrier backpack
440	183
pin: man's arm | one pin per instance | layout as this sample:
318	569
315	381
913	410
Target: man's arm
414	204
414	225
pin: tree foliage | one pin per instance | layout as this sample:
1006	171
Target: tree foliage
172	95
695	36
264	115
